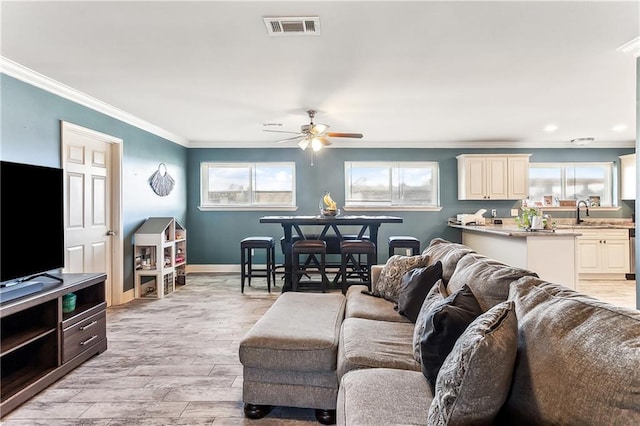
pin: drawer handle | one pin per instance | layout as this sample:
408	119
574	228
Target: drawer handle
86	342
91	324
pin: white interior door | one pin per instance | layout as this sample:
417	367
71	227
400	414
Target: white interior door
88	191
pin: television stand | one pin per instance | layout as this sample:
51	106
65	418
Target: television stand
39	343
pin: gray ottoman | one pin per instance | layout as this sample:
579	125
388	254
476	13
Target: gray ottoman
289	356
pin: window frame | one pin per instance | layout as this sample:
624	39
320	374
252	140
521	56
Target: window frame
251	205
610	183
395	168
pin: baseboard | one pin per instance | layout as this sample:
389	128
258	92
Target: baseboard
602	277
215	268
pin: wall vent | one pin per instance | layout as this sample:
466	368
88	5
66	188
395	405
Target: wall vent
292	25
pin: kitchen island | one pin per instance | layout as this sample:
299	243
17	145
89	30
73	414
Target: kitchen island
550	254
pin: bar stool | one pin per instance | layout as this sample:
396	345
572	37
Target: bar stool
247	269
405	242
351	252
312	249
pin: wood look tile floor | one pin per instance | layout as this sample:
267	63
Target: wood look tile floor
175	361
172	361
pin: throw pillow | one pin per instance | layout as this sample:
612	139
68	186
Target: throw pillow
446	321
388	284
475	378
437	293
414	287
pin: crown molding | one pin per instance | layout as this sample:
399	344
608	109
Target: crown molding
441	144
631	48
27	75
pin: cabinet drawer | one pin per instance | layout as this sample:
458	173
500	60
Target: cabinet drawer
82	335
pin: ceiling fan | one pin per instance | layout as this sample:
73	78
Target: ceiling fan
316	135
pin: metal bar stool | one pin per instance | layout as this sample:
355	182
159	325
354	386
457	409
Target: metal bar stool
405	242
247	269
351	252
315	252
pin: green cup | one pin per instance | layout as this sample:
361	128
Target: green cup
68	303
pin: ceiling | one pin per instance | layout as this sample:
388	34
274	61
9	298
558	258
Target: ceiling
420	73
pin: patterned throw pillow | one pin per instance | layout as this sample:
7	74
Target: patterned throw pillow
388	284
437	294
475	378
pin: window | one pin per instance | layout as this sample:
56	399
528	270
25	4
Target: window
571	181
405	184
247	185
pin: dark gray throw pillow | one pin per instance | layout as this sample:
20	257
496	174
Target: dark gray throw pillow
447	320
415	285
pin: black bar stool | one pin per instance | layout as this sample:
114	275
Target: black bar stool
405	242
247	269
351	252
315	252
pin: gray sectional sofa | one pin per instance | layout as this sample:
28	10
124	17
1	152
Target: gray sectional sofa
540	353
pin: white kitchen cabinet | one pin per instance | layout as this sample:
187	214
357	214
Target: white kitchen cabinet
628	177
518	177
603	251
493	177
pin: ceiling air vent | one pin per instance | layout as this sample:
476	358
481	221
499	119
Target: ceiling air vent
292	25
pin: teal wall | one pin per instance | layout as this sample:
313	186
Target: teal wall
30	133
218	233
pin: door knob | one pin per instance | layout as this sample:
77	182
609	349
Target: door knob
110	233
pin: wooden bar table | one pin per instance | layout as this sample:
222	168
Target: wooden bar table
327	224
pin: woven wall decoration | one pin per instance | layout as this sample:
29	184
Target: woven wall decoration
160	181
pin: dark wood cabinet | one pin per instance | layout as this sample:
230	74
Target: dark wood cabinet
39	343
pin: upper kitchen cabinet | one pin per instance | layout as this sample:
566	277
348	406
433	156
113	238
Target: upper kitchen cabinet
493	176
628	177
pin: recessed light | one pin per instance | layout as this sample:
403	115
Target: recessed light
619	127
550	128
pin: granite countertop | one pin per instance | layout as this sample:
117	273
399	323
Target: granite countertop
513	231
564	227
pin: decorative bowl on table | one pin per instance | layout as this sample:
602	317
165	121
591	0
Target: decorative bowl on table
329	212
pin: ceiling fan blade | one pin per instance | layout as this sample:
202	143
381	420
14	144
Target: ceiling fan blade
281	131
288	139
345	135
318	129
324	141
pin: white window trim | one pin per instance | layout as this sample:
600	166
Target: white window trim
391	207
611	182
204	186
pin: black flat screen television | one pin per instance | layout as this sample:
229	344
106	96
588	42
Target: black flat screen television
31	220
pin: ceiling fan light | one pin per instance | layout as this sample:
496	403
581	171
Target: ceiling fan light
316	144
303	144
318	129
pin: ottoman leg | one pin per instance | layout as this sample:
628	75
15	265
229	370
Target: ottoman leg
254	411
326	417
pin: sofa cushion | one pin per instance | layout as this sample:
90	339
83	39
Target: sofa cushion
368	343
488	279
388	283
382	396
448	253
437	293
475	378
445	322
415	285
361	305
578	358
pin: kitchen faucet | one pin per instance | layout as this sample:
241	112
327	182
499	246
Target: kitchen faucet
578	220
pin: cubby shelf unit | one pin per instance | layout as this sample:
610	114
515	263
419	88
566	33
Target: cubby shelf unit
160	253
